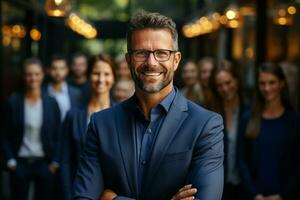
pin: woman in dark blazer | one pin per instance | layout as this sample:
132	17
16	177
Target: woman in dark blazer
30	138
269	154
101	77
229	103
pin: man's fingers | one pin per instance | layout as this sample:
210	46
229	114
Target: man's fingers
186	194
185	187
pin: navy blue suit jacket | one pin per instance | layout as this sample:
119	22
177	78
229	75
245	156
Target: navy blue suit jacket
13	130
188	149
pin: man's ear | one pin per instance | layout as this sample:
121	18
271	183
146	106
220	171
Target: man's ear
177	58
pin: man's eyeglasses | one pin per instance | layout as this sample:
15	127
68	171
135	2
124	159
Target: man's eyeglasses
141	55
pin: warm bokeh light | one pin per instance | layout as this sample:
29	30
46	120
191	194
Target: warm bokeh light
81	26
6	40
249	53
292	10
57	8
233	24
281	12
14	31
223	19
231	14
216	15
282	21
35	34
58	2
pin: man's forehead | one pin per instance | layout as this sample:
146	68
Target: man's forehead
153	31
152	36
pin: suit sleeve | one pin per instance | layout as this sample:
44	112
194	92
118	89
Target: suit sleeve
206	170
88	182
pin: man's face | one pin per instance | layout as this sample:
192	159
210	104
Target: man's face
151	76
79	66
58	71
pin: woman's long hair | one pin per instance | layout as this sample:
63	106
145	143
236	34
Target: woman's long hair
253	127
223	66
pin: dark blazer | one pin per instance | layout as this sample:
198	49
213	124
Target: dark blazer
289	169
13	130
188	149
74	129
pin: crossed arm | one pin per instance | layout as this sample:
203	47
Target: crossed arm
205	175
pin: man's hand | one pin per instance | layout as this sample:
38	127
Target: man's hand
108	195
185	193
274	197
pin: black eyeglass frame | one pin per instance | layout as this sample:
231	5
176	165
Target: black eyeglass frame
131	52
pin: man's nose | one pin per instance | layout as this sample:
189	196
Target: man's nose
151	59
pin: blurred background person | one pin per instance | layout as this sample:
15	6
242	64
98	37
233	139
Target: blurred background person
205	66
269	149
101	76
122	90
122	70
226	87
65	95
78	75
192	89
30	140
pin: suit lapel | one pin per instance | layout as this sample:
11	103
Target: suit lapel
127	143
167	132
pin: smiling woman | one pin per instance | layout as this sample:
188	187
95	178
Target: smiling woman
268	150
101	76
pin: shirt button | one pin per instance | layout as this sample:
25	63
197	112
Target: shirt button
144	162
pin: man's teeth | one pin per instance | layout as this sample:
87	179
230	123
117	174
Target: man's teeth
152	73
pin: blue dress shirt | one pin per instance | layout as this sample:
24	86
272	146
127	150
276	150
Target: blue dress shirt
146	131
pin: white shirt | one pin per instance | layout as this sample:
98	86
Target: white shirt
32	144
63	99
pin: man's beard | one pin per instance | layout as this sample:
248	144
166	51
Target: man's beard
167	78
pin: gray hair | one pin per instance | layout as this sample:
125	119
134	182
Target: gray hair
144	19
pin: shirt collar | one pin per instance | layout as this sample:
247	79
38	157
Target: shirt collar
167	101
64	88
164	105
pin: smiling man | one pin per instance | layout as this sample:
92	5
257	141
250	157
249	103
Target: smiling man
156	145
